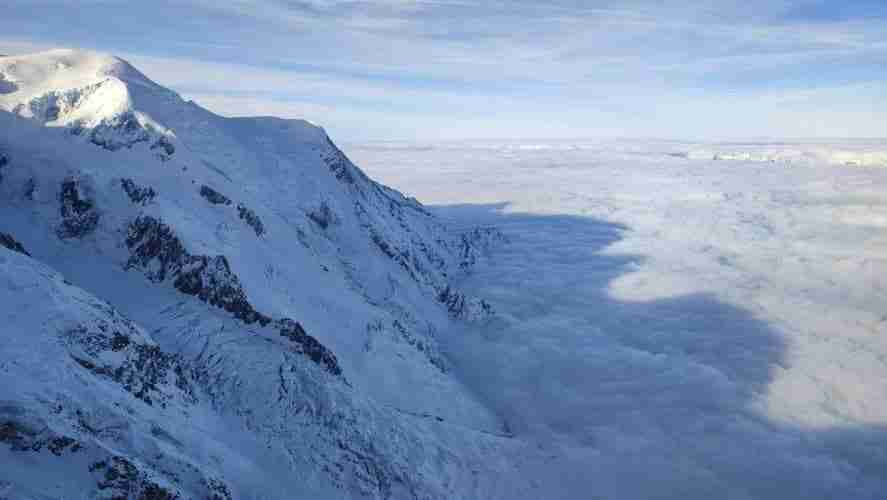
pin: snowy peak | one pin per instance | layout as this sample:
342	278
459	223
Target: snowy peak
92	94
66	69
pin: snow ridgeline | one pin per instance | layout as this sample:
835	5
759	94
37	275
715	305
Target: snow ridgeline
208	307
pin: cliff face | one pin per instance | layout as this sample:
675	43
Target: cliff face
212	307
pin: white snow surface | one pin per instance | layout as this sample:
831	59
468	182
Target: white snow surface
673	327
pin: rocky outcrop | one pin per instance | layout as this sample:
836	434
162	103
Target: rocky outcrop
474	243
111	347
164	146
146	367
120	478
53	105
211	280
78	211
463	307
21	435
7	241
323	216
251	219
338	163
157	251
213	196
4	160
246	214
138	194
118	132
308	345
426	346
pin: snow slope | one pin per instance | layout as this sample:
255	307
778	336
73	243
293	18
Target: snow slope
291	307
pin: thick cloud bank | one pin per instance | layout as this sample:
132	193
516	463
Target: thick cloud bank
671	327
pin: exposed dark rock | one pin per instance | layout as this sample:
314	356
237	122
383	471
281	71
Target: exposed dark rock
4	160
6	240
251	219
145	368
472	244
394	253
217	490
119	342
427	348
461	307
121	131
30	189
308	345
338	163
79	214
19	437
165	145
28	438
213	196
58	445
121	479
427	266
138	194
160	254
323	216
149	239
211	279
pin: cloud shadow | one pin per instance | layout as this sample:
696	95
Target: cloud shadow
654	399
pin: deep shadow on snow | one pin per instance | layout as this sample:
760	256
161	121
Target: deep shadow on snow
648	399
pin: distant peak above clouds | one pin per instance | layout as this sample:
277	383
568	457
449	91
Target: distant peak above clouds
61	68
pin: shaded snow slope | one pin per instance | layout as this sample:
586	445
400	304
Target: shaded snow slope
303	303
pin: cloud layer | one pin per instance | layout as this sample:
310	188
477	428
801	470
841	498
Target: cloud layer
463	68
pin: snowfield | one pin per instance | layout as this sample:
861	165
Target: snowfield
673	327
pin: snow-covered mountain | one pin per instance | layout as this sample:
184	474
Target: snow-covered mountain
195	306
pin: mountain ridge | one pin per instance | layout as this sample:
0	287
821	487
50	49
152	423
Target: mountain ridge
298	301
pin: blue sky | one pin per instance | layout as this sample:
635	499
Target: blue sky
450	69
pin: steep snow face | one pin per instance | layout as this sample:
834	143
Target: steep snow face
298	304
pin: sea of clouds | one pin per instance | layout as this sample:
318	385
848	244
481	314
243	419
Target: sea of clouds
672	326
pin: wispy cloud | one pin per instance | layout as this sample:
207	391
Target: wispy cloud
500	62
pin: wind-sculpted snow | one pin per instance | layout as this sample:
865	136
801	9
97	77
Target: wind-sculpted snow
294	306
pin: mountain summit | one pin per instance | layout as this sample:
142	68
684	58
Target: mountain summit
197	306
